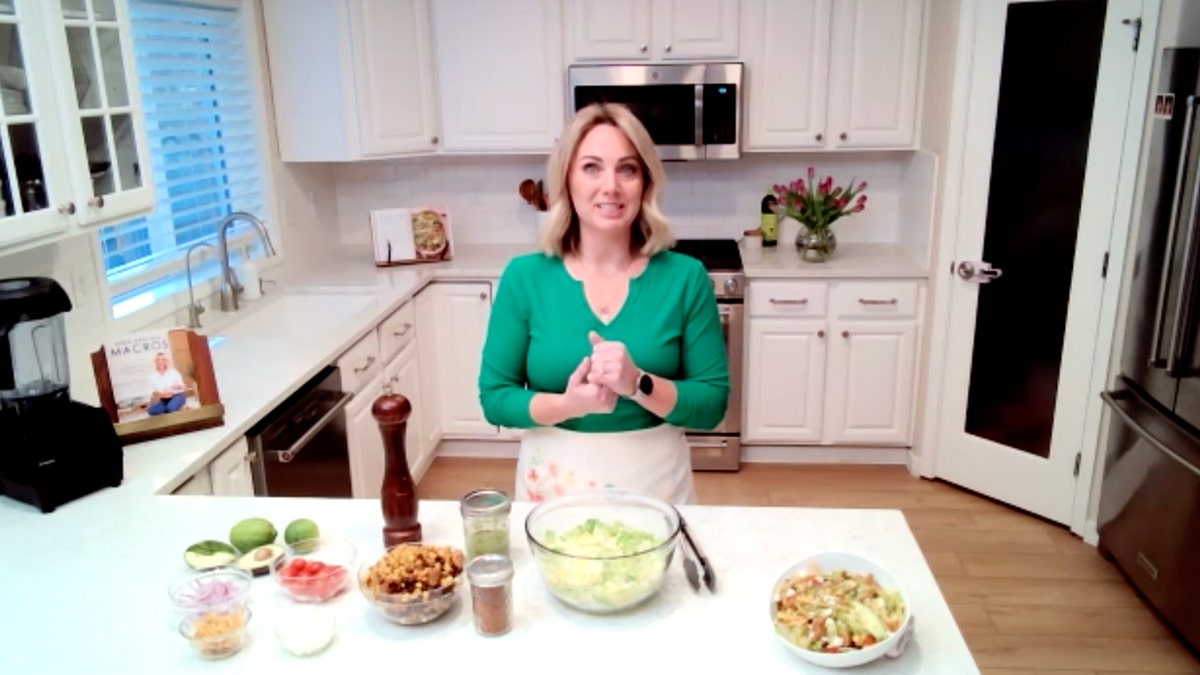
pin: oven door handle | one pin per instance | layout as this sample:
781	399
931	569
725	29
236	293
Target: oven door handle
285	456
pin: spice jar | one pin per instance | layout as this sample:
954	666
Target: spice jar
485	522
490	576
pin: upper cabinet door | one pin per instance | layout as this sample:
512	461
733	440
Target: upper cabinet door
785	45
609	29
470	36
104	133
393	76
32	177
875	65
695	29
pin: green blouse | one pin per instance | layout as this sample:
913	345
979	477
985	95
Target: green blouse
538	334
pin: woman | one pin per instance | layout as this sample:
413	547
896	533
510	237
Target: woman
167	384
605	345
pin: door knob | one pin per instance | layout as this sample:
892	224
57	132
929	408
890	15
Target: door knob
980	273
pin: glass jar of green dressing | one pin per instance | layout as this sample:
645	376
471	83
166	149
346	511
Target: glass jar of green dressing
485	522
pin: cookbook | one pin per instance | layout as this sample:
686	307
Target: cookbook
403	236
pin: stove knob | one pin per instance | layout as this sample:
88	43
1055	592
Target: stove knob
731	286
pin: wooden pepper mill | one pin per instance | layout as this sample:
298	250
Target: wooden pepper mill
398	493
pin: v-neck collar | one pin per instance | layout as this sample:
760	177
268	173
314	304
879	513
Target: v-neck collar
629	292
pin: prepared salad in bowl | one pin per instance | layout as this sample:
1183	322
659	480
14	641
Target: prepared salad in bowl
839	610
602	551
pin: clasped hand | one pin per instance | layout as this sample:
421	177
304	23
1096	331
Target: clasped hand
601	377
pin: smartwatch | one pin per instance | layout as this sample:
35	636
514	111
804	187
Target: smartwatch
643	386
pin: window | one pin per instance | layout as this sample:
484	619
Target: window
199	100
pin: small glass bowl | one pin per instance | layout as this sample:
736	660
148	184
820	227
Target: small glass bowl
218	645
337	559
410	609
221	591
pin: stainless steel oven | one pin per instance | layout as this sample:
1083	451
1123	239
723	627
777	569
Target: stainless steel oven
720	448
300	449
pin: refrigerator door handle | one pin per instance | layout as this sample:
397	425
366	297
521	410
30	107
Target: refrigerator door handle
1169	253
1115	403
1183	301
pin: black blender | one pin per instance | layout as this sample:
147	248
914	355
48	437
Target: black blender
52	449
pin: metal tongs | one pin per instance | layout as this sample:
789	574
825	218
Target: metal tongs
693	555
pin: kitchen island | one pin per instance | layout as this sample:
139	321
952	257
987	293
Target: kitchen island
86	590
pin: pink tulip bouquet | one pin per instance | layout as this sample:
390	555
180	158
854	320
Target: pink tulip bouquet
818	204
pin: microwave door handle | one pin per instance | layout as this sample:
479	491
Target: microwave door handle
285	456
699	131
1164	284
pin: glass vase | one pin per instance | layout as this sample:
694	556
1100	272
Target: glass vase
816	245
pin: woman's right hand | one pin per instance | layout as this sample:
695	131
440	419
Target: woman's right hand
583	397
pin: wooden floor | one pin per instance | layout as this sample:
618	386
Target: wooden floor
1028	595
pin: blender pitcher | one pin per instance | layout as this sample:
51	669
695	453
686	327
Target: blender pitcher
34	370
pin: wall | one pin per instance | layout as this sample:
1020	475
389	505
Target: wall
702	199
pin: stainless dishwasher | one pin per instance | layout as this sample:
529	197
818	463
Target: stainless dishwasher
299	449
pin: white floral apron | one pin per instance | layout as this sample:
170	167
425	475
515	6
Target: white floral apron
654	461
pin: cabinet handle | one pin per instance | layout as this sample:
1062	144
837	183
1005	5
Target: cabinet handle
67	209
845	333
844	136
789	301
820	137
642	49
97	201
820	333
667	49
483	296
365	366
403	331
434	140
870	301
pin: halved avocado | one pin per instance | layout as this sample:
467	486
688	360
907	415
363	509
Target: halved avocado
208	554
257	561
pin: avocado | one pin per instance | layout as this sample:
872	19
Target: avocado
251	533
258	561
206	555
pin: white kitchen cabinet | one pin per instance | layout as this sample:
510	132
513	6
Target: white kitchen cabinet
522	65
786	47
831	362
75	149
230	472
365	442
831	74
869	387
461	312
351	79
430	408
875	64
199	485
624	30
785	380
402	377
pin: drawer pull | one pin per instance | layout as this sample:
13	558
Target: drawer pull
820	333
789	301
364	367
845	333
403	331
871	301
1148	566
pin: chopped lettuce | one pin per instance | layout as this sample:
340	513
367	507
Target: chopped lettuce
606	571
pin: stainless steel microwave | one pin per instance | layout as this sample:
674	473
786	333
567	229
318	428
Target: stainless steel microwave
692	110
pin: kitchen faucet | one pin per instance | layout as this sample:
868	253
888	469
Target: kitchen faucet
194	309
230	288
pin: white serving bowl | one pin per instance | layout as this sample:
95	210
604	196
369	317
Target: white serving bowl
827	562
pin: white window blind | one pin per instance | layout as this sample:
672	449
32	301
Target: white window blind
199	100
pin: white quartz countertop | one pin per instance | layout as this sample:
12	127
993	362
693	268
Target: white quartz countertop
86	593
850	260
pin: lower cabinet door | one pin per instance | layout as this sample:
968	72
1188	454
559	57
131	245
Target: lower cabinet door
230	472
401	376
364	442
870	383
785	380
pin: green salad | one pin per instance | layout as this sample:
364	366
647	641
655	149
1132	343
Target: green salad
615	576
837	612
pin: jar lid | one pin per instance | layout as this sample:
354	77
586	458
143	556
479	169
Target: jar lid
489	569
486	502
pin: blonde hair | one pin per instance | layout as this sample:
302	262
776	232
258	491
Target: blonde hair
560	232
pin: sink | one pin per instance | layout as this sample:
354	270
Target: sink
291	315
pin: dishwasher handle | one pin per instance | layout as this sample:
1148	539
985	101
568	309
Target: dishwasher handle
285	456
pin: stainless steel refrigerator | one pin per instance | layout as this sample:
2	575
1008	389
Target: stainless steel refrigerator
1149	514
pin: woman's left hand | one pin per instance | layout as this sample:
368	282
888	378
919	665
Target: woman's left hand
611	366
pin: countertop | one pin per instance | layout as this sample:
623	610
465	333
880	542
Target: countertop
850	260
92	595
